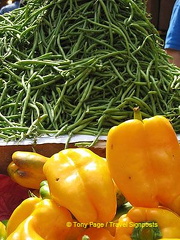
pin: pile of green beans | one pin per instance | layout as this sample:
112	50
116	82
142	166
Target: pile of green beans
79	67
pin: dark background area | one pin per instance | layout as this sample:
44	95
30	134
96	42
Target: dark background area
160	11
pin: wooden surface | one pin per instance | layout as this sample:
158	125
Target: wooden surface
3	3
160	11
45	149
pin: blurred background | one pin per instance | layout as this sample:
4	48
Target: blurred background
160	11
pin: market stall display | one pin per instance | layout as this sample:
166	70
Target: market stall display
79	193
70	72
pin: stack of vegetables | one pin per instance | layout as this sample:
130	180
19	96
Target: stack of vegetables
78	66
77	195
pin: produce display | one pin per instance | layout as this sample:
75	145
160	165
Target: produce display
98	68
78	66
78	198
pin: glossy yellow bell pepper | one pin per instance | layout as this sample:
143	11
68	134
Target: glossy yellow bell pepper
44	221
80	181
23	211
148	223
144	160
26	169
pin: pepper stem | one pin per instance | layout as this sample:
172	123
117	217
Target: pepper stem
137	113
44	190
146	231
85	237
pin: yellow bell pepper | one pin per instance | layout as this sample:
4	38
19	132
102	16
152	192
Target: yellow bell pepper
23	211
47	221
148	223
26	169
80	181
144	160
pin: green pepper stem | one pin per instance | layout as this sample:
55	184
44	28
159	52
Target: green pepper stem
44	190
137	113
146	231
85	237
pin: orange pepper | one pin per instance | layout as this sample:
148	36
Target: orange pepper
144	161
148	223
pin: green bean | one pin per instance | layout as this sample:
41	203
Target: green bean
60	47
34	107
24	33
79	124
53	37
142	44
35	123
14	65
117	72
50	112
15	77
39	62
34	45
139	102
19	53
81	76
6	120
10	29
101	42
43	85
4	91
126	92
61	94
146	77
153	104
85	95
16	128
36	12
155	86
25	104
